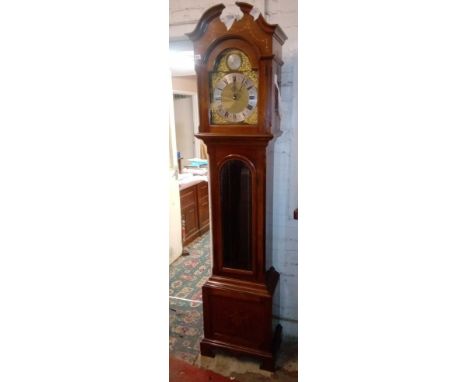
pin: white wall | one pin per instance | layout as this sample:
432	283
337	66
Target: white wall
183	18
185	14
184	83
183	115
285	199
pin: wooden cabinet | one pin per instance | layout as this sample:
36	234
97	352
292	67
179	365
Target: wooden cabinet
194	205
203	207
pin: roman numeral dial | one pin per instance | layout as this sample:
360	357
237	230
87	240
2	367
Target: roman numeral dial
234	97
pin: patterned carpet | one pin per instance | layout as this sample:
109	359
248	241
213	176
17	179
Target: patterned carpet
186	276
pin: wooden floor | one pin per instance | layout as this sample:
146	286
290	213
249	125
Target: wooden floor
180	371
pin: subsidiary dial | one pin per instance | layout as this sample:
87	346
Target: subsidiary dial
234	61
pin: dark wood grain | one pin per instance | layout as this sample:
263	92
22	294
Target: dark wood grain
194	206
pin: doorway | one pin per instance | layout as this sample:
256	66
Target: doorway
188	271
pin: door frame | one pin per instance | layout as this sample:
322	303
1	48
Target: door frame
196	119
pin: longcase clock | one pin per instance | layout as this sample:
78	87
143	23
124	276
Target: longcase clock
238	75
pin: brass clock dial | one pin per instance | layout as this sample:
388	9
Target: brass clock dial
234	97
233	90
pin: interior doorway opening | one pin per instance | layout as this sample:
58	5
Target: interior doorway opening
188	273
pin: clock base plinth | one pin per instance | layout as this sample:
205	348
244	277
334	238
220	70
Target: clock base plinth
238	319
267	358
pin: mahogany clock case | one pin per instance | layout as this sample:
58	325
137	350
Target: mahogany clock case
238	297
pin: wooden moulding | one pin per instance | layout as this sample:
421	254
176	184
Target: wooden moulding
273	29
214	12
266	289
208	16
268	358
244	139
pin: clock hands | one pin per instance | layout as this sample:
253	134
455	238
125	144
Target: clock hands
233	95
237	89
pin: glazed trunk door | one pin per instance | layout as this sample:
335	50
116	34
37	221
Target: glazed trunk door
236	212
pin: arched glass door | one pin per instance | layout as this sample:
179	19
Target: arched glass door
236	211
